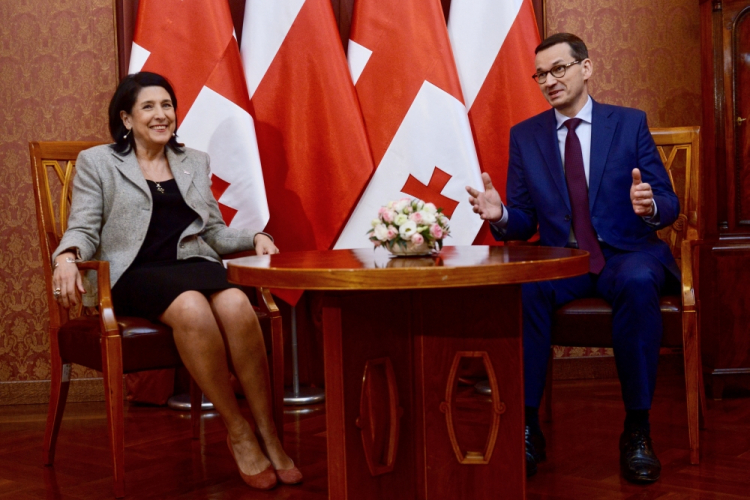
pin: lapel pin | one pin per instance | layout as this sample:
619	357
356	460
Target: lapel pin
188	173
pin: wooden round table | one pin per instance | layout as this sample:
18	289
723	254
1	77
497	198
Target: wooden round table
396	333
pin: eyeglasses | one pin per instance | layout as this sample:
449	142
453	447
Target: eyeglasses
556	71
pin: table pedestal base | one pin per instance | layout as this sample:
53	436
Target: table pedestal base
399	425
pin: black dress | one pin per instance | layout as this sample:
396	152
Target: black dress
156	277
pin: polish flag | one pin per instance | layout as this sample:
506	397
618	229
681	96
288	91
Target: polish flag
417	124
192	44
311	137
493	42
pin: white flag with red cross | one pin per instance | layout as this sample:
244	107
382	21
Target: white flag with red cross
192	44
493	42
416	121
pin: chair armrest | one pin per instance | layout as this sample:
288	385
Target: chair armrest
265	299
106	311
688	284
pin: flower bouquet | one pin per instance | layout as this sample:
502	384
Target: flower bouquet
409	227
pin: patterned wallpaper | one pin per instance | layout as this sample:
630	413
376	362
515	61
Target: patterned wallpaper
646	55
57	73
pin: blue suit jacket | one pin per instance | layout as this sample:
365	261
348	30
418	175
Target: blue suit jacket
537	195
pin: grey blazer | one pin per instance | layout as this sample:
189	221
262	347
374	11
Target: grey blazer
111	210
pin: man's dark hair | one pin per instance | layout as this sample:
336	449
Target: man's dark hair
577	47
124	99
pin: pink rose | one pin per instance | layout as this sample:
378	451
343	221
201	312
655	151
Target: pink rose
417	239
385	214
436	231
417	217
392	233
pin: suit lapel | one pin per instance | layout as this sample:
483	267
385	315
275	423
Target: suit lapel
182	171
547	141
603	126
128	166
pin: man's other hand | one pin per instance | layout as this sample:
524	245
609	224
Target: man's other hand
641	196
488	204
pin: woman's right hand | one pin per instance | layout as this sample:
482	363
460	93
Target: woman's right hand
66	280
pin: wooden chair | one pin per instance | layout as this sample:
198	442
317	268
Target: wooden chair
94	337
588	322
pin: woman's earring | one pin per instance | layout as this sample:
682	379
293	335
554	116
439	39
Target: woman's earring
174	134
127	134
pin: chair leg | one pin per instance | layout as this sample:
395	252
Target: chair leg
277	359
547	397
277	379
112	375
196	404
58	396
701	384
693	370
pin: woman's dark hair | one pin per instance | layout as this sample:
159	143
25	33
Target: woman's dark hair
577	47
124	100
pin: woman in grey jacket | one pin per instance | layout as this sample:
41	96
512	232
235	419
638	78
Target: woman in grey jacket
145	205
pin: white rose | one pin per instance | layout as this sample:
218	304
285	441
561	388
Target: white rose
430	208
400	219
401	204
428	217
407	229
381	232
375	222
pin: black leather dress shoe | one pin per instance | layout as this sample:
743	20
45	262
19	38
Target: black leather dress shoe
638	461
536	450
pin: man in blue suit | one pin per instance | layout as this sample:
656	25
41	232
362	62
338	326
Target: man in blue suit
588	175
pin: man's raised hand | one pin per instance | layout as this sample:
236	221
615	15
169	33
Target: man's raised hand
641	195
488	204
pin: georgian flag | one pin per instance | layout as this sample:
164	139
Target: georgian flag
493	43
192	44
417	124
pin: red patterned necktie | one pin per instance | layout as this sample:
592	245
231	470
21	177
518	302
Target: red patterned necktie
578	193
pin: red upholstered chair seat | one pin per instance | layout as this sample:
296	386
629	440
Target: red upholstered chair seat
145	345
588	323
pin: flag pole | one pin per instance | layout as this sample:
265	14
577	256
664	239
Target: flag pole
300	396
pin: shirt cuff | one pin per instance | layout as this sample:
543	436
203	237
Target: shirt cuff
653	219
502	222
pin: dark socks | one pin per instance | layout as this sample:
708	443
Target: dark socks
532	419
637	419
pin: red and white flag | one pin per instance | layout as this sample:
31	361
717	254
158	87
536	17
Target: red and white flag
493	43
402	65
311	137
192	44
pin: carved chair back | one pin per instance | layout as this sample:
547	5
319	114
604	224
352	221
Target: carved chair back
52	172
678	148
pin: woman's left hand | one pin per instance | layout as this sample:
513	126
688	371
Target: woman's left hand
264	245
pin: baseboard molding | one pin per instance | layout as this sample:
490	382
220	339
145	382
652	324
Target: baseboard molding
37	391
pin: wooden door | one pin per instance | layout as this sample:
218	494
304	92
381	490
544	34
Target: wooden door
741	112
724	269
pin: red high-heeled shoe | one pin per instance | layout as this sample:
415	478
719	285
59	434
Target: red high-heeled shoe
289	476
264	480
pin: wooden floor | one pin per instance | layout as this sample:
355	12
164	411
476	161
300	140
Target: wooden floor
163	462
